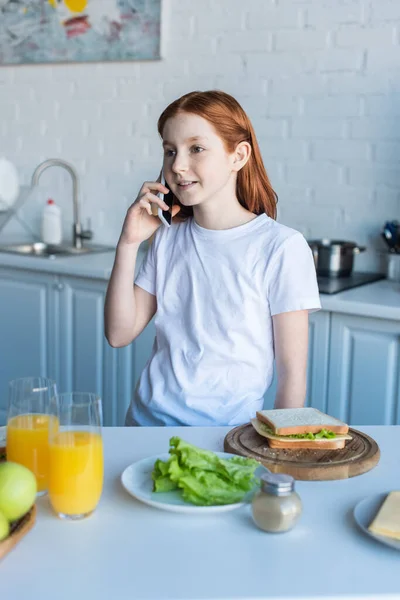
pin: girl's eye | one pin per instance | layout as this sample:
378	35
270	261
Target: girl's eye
194	149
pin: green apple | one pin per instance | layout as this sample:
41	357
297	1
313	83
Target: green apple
4	527
17	490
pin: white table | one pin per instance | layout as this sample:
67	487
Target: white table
127	550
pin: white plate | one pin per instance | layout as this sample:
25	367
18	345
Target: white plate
366	511
137	481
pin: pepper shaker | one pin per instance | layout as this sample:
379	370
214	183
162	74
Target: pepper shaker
276	507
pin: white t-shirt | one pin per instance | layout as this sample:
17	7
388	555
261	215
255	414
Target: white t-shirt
213	355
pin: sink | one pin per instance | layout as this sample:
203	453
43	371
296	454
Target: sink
47	251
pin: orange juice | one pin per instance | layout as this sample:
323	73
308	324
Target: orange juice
76	472
27	444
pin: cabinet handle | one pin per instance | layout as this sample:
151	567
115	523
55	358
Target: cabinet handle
58	286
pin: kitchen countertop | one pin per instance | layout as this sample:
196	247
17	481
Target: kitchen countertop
95	266
380	299
127	550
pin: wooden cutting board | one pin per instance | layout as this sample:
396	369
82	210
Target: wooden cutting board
358	456
18	530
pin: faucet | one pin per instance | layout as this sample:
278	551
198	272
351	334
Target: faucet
77	234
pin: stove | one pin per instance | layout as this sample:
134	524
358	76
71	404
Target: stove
334	285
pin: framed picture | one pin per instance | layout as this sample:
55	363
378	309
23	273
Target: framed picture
63	31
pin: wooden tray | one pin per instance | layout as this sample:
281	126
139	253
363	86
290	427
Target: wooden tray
18	530
20	527
358	456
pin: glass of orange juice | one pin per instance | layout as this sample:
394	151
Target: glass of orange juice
75	454
28	425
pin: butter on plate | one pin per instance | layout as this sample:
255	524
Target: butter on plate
387	521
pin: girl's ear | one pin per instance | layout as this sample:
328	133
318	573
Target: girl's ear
241	155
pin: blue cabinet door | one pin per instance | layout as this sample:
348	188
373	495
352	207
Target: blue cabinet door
27	325
364	372
86	361
317	365
318	360
124	367
142	348
131	362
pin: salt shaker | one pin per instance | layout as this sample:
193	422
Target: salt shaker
276	507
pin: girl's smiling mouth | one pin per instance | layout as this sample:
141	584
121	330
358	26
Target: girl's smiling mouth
186	185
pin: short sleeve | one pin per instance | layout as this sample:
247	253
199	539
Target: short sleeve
146	276
292	280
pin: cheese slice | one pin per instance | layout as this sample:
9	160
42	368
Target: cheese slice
266	431
387	521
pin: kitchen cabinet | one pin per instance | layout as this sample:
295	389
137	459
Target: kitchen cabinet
353	368
85	362
27	315
52	325
317	366
364	370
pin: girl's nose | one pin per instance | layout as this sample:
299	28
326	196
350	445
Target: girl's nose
180	164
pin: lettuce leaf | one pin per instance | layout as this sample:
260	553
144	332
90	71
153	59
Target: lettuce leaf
324	433
204	478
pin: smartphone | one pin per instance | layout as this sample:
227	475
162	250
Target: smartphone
165	216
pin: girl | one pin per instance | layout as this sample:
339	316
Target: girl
230	287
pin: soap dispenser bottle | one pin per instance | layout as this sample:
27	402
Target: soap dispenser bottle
51	224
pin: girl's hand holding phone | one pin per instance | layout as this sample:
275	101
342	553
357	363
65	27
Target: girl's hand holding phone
140	223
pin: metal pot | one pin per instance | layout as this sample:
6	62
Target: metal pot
334	258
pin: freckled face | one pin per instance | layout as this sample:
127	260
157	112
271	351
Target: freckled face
196	164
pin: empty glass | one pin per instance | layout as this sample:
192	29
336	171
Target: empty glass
28	425
75	454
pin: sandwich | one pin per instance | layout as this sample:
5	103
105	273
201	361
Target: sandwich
306	428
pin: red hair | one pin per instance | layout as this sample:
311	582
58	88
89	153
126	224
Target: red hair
253	188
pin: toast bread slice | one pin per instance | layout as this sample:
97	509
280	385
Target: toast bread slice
288	421
276	441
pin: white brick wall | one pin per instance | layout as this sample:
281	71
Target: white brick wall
319	79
